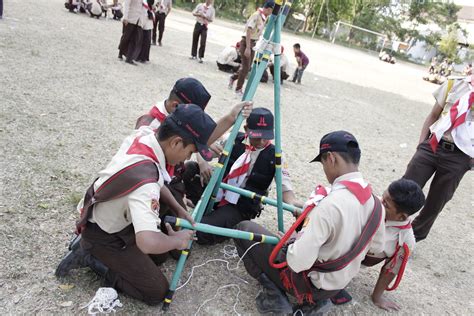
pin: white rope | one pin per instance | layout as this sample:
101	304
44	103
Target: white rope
229	252
215	295
104	301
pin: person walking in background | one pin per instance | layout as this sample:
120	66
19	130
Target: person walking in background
162	9
205	14
253	30
130	43
302	61
147	21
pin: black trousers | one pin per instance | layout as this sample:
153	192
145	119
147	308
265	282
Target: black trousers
448	168
131	41
145	50
283	75
159	24
200	30
256	259
227	68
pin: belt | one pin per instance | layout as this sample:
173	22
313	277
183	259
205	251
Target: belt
448	146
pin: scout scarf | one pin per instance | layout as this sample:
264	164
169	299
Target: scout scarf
157	114
398	255
237	175
300	283
461	133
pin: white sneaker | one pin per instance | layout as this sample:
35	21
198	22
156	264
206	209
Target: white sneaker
200	60
239	93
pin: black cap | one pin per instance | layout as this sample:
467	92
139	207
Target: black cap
260	124
191	91
195	124
337	142
269	4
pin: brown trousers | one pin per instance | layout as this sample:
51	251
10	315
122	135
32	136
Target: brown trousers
130	270
256	260
448	168
245	65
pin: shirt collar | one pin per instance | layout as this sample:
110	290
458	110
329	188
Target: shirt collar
162	107
397	223
348	176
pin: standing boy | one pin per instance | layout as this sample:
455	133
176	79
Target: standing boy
252	32
132	35
163	8
445	150
119	218
302	60
252	167
205	14
322	259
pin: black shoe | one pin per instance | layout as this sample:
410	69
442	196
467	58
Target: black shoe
319	309
272	299
74	259
120	56
131	62
159	44
153	42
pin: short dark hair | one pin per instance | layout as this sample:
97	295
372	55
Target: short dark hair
297	45
169	129
407	196
351	156
174	97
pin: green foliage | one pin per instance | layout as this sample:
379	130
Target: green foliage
448	45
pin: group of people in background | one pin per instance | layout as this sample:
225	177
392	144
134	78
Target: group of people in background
96	8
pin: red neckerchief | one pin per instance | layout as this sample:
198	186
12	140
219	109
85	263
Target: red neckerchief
264	18
455	122
362	194
407	226
156	113
138	148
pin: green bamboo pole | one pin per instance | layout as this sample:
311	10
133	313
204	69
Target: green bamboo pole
262	198
226	232
276	96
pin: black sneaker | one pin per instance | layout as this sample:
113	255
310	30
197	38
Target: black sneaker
271	299
319	309
74	259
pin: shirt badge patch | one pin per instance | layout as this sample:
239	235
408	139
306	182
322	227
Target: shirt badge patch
155	206
306	221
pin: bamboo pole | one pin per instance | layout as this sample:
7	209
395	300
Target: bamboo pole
221	231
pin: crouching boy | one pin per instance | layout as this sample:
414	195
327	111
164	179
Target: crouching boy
119	219
338	231
402	199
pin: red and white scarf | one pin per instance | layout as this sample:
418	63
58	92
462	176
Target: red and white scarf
237	175
462	134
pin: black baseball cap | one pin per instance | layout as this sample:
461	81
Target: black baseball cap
191	91
269	4
337	142
260	124
195	124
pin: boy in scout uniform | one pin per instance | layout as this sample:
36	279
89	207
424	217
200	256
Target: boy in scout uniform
252	167
402	199
253	30
119	218
445	150
336	222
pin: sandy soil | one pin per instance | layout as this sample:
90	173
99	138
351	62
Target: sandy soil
67	103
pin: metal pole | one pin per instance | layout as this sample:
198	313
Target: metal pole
335	32
262	198
319	15
226	232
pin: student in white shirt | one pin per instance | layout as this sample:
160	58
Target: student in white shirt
334	233
162	9
402	199
146	22
132	35
205	14
229	59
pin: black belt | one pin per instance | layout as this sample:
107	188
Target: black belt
449	146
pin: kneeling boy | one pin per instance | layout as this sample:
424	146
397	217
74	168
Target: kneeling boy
119	218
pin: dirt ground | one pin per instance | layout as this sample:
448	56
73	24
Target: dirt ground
67	102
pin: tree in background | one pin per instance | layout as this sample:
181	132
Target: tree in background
448	46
